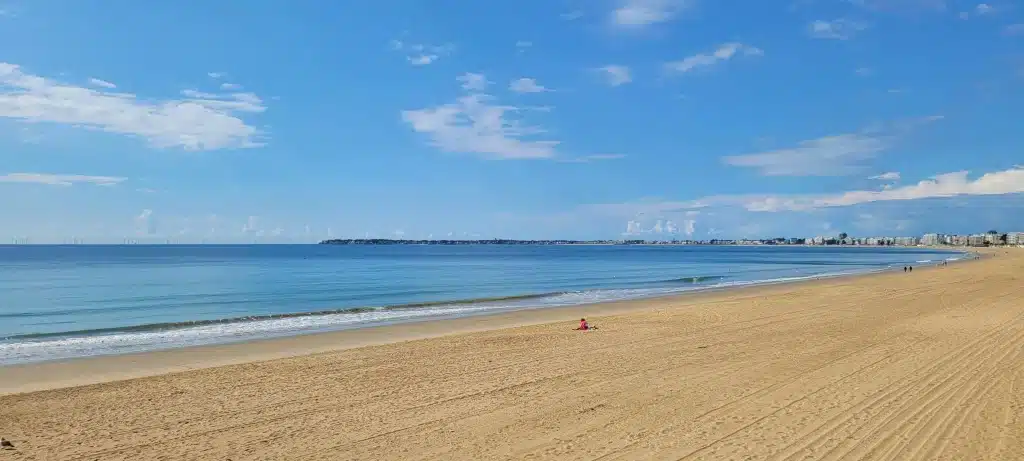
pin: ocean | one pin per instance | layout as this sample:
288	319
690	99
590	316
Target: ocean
67	301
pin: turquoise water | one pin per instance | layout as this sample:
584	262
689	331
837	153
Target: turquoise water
72	301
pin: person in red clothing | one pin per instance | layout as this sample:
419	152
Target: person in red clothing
585	326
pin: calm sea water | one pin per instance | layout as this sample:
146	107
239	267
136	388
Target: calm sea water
71	301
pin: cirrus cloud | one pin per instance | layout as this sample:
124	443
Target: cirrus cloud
723	52
616	75
839	29
890	176
61	179
945	185
826	156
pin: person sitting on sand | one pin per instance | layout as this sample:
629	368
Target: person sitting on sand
585	326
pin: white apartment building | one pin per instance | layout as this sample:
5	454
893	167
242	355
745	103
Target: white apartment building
905	241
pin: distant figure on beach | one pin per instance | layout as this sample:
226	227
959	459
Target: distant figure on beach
904	268
911	268
585	326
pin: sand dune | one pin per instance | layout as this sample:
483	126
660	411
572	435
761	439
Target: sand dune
922	366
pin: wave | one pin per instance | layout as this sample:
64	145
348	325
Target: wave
255	318
348	310
79	343
694	279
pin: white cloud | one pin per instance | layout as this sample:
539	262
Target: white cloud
216	74
422	60
638	13
723	52
983	9
522	45
944	185
689	226
839	29
473	124
419	54
202	122
61	179
890	176
251	225
526	85
826	156
146	223
1014	29
734	211
572	15
902	5
864	71
101	83
633	228
230	86
616	75
660	227
473	82
596	157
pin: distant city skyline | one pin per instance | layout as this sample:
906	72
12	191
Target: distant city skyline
653	119
993	237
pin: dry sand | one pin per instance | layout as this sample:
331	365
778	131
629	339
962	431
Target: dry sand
921	366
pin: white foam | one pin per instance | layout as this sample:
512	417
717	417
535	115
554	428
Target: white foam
125	342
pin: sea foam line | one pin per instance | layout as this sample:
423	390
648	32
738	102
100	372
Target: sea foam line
27	350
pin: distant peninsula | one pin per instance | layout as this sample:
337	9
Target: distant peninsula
779	241
478	242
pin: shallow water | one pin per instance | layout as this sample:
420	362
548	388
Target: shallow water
71	301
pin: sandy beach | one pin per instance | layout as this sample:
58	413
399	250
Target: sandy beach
894	366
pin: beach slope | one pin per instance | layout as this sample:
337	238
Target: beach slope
920	366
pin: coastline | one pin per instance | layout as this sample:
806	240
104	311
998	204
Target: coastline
211	329
919	366
62	373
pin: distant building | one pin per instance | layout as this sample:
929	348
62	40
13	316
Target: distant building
933	239
1015	238
976	240
905	241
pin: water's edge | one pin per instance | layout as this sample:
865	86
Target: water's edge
37	348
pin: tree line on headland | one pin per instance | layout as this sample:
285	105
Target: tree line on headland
475	242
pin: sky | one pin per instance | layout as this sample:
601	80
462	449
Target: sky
270	121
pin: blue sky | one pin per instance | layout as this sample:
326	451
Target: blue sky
295	121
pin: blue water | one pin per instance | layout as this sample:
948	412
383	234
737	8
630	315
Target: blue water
60	302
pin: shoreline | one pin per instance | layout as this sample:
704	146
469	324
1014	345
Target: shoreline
163	336
89	370
917	367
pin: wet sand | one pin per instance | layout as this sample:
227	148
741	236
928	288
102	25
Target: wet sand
921	366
